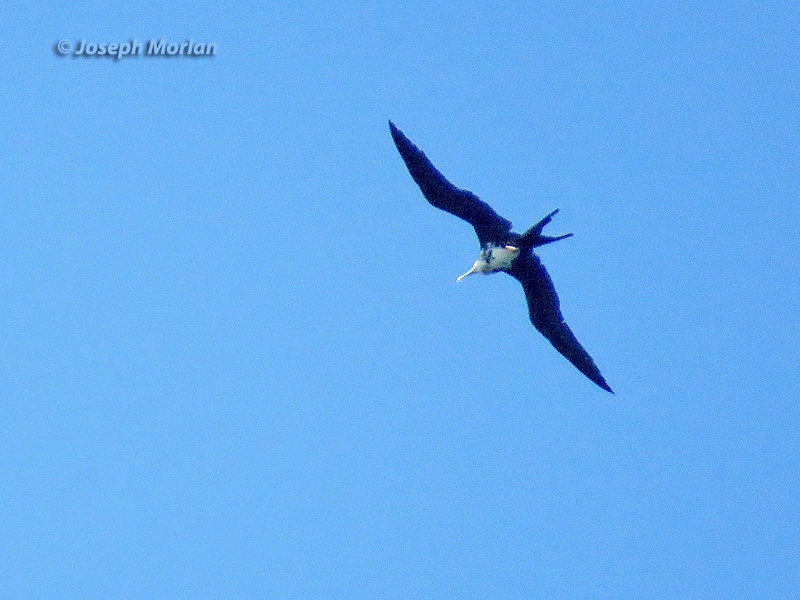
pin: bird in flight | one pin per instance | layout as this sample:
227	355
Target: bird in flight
503	250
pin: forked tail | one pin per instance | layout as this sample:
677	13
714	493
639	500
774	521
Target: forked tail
533	238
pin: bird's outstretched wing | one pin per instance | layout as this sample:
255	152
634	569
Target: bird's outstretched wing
489	226
543	306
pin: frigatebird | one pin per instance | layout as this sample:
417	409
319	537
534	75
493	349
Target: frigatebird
503	250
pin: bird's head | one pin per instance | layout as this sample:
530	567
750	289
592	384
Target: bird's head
480	266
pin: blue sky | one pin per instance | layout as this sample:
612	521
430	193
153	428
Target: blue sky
235	360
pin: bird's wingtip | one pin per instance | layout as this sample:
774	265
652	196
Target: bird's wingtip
396	133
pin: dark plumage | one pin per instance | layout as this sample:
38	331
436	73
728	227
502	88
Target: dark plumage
503	250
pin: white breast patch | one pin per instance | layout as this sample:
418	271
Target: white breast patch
499	257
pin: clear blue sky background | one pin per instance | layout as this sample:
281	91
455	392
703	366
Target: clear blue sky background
235	361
